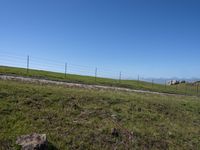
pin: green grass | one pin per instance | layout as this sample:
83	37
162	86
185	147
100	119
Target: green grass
187	89
75	118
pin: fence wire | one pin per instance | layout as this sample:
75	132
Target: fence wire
7	59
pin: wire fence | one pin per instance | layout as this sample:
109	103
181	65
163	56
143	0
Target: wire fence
30	62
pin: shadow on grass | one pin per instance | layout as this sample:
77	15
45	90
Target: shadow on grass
51	146
8	145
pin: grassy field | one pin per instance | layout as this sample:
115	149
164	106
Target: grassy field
186	89
75	118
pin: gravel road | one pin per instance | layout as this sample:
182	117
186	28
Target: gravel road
85	86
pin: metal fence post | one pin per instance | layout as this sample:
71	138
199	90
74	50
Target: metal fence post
95	74
27	65
185	89
120	76
152	83
65	70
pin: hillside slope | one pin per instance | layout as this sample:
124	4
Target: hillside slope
75	118
186	89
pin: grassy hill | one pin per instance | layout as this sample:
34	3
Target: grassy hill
75	118
187	89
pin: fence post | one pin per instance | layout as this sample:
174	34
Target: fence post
186	89
27	65
95	74
152	83
165	84
120	76
65	70
138	80
197	89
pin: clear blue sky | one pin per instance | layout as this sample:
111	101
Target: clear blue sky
154	38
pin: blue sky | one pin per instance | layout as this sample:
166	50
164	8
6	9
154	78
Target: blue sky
153	38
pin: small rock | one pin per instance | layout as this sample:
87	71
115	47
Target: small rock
114	132
33	142
173	82
170	133
114	117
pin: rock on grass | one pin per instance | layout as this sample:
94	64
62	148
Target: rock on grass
33	142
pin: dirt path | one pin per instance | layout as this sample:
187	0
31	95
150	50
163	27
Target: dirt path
85	86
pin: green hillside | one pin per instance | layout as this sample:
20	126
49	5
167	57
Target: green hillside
75	118
186	89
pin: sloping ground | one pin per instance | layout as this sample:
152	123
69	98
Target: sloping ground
77	85
75	118
186	89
